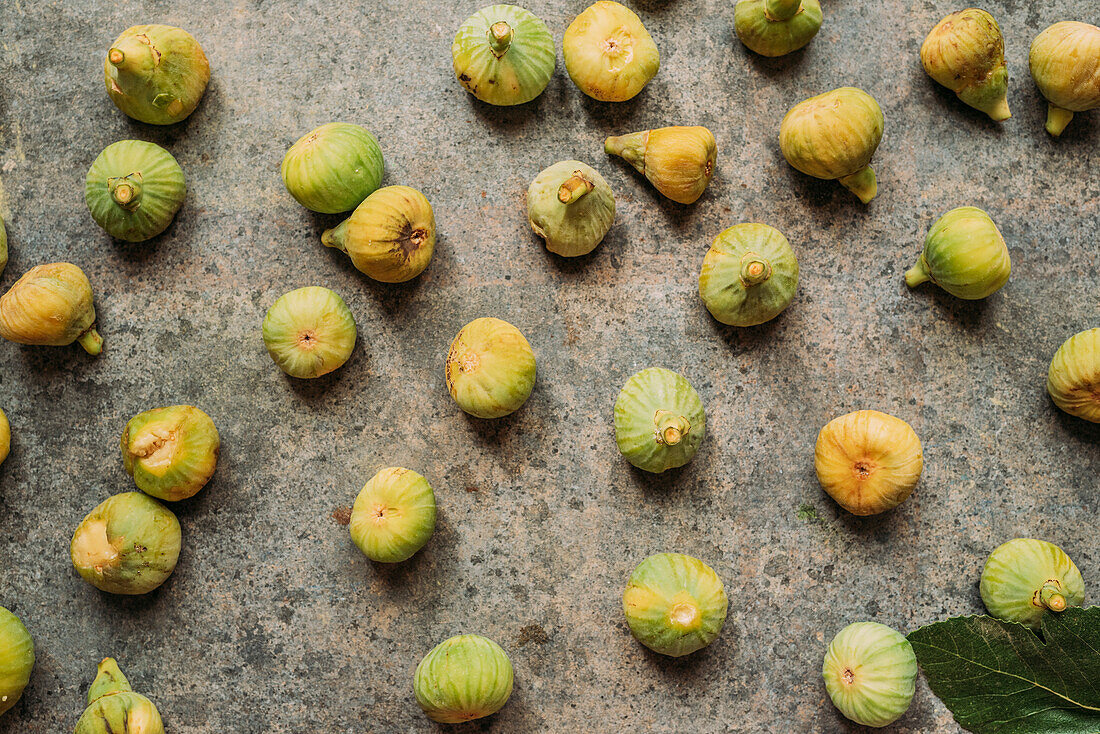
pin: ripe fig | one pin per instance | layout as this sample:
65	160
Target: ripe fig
678	161
51	305
609	54
156	73
309	332
870	673
504	55
463	678
1065	64
659	420
490	368
114	708
16	659
170	452
333	168
1025	579
675	604
393	516
390	236
749	275
1073	380
965	52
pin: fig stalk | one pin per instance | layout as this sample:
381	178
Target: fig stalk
574	188
917	274
91	341
500	38
777	10
336	237
862	183
1057	119
126	190
671	428
631	148
754	270
1051	597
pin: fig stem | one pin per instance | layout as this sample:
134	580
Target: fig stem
91	341
917	274
335	237
1057	119
631	148
779	10
116	57
574	188
755	269
500	38
862	183
1052	598
126	191
671	428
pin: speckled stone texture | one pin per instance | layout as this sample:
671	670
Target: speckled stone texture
274	621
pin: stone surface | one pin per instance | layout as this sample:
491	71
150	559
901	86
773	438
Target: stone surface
274	622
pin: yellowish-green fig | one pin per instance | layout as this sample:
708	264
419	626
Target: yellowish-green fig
490	368
965	254
504	55
333	168
170	452
965	52
1073	380
463	678
833	136
1065	64
51	305
1025	579
776	27
390	236
129	544
114	708
749	275
609	54
134	189
5	437
870	672
867	461
571	207
156	73
674	604
16	659
659	420
393	516
309	332
678	161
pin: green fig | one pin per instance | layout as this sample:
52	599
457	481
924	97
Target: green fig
393	516
16	659
134	190
1073	379
333	168
1065	64
114	708
156	73
659	420
749	275
464	678
570	206
870	673
129	544
965	52
609	54
678	161
309	332
965	254
833	136
1025	579
490	368
504	55
776	27
51	305
170	452
675	604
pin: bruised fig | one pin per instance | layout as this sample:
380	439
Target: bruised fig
390	236
16	659
134	189
678	161
870	672
1065	64
1073	380
675	604
504	55
609	54
570	206
464	678
749	275
51	305
309	332
114	708
393	516
156	73
1025	579
333	168
659	420
776	27
490	368
965	52
170	452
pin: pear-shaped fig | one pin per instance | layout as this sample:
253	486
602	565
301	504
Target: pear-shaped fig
965	52
833	136
114	708
749	275
570	206
609	54
393	516
1065	64
659	420
870	672
675	604
965	254
390	236
309	332
504	55
170	452
776	27
869	462
129	544
51	305
1025	579
464	678
678	161
333	168
490	368
16	659
134	189
1073	380
156	73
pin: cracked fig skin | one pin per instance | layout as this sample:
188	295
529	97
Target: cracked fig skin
51	305
868	462
833	136
870	672
776	27
16	659
129	544
1025	579
463	678
1065	64
134	190
678	161
749	275
609	54
965	52
333	168
674	604
490	368
571	207
965	254
659	420
114	708
390	236
156	73
170	452
1073	380
393	516
309	332
504	55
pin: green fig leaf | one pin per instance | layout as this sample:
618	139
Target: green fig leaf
1002	678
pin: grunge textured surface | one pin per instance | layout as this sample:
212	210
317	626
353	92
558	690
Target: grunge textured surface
275	622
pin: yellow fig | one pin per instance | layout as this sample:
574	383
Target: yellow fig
1073	380
1065	64
678	161
609	54
965	52
51	305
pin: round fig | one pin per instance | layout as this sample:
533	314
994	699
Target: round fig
678	161
504	55
309	332
490	368
675	604
134	190
156	73
870	673
749	275
1065	64
1024	579
393	516
51	305
965	254
776	27
114	708
965	52
659	420
16	659
1073	380
609	54
464	678
570	206
170	452
333	168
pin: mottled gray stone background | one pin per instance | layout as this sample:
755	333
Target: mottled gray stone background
274	621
